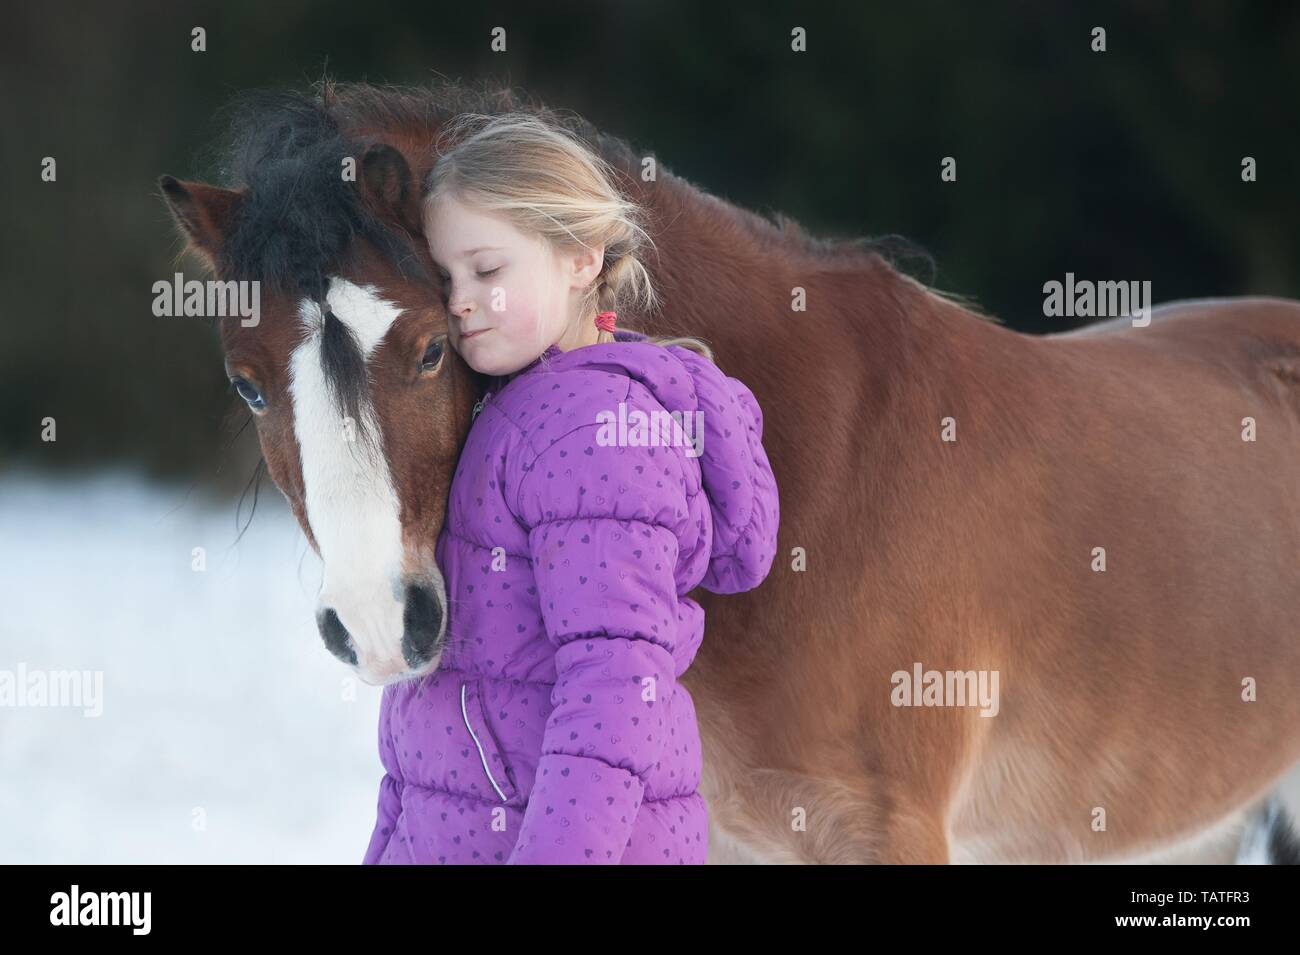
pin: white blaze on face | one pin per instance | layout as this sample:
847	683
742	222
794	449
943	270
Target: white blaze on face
352	505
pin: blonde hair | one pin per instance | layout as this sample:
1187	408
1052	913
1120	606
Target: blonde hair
546	182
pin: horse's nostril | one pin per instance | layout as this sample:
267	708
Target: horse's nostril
421	621
335	636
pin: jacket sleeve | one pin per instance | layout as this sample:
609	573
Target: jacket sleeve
738	477
603	537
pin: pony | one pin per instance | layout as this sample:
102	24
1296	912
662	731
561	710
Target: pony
1102	526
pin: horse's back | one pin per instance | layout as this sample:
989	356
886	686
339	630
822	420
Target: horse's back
1261	322
1245	342
1139	444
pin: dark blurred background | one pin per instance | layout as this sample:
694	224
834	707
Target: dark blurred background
1123	164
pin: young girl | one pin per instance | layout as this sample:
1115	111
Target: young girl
555	729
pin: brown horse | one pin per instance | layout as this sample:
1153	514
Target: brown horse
1096	533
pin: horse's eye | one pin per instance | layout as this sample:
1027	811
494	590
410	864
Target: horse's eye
432	355
249	393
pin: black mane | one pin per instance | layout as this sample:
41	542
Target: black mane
286	148
298	216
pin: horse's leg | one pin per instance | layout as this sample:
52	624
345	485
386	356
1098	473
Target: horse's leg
914	839
725	849
778	817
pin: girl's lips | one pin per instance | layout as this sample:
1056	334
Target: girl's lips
468	335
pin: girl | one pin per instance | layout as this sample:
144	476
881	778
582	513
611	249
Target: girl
555	729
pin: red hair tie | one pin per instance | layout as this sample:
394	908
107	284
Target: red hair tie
605	321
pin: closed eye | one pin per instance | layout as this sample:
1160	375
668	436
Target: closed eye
484	275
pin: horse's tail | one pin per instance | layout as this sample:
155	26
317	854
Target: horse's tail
1270	837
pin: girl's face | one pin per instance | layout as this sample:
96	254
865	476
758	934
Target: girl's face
509	296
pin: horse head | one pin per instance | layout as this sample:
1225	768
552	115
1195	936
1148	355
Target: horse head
361	407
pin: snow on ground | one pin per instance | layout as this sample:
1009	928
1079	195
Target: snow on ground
228	733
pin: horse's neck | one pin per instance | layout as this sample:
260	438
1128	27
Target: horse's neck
729	277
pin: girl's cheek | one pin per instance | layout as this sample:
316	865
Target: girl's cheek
534	327
521	315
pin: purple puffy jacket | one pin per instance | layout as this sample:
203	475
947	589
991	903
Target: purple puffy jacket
554	729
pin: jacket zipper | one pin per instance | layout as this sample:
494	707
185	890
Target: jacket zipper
474	736
478	406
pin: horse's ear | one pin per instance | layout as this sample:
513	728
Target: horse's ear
388	182
204	213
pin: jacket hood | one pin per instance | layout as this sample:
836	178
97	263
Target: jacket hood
734	470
